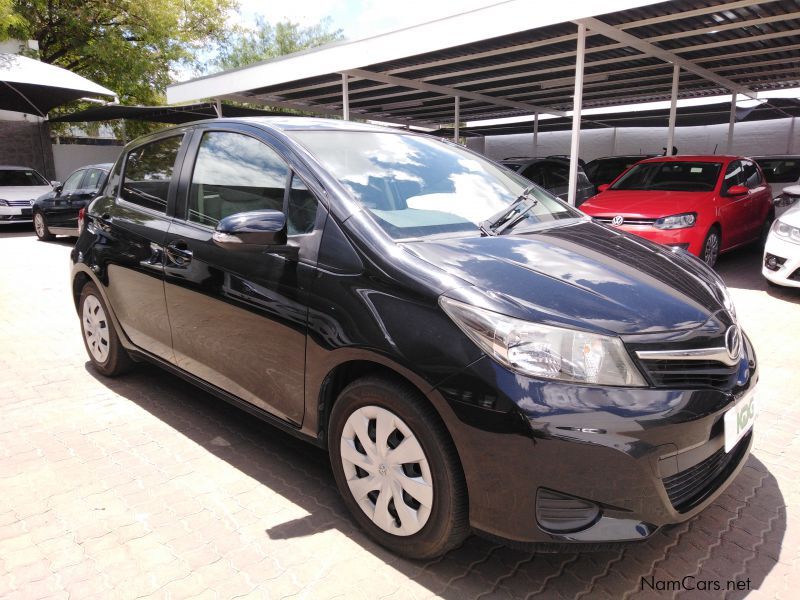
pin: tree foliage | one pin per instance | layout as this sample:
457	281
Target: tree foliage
129	46
250	45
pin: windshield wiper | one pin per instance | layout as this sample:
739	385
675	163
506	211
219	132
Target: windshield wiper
510	216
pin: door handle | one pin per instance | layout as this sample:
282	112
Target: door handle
178	253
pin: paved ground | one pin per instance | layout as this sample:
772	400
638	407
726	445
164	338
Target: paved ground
146	487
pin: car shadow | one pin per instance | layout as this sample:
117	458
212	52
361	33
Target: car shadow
16	230
738	538
742	269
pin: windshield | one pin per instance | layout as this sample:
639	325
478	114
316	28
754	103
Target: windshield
675	176
780	170
20	178
415	186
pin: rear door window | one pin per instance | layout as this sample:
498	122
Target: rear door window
734	175
752	178
235	173
148	173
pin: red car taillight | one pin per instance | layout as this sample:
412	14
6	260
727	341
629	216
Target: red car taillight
81	217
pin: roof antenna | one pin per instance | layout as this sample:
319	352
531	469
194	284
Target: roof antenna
715	148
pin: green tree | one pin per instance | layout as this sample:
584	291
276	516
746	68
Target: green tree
128	46
250	45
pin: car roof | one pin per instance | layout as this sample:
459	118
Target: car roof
103	166
694	158
16	168
289	123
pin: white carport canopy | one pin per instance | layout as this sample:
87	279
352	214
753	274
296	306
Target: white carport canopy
514	58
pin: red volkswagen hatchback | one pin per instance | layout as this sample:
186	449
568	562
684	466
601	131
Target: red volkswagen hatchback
703	204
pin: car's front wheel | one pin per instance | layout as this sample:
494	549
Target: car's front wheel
40	227
397	468
711	245
99	336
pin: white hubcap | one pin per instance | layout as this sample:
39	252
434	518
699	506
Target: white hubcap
387	470
95	329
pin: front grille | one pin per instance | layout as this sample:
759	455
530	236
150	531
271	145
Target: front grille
626	221
686	489
19	202
690	373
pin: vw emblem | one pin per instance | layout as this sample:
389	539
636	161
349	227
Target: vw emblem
32	201
733	342
617	221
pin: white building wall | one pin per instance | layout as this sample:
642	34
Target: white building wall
68	157
758	137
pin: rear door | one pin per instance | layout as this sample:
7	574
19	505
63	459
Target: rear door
239	317
135	228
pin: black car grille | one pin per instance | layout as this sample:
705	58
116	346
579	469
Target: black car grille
690	373
686	489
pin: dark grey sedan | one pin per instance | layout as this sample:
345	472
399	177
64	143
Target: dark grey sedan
56	213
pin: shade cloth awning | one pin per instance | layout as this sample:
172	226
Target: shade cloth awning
31	86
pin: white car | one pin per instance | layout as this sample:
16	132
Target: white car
781	264
19	187
781	171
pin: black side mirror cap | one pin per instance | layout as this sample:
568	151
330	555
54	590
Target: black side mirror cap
259	230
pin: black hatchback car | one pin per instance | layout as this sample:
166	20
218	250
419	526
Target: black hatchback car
474	353
56	212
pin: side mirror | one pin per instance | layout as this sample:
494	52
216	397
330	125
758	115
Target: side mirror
737	190
258	230
602	187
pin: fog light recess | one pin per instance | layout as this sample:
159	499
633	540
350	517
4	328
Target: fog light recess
561	513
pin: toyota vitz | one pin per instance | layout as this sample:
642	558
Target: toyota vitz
474	353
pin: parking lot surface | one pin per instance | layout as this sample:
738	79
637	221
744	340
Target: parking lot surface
144	486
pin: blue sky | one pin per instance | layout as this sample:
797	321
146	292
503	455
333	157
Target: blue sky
357	18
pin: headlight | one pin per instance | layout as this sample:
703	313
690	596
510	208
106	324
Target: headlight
676	221
4	203
544	351
786	231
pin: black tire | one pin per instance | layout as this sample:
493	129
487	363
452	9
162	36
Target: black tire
117	360
448	523
710	251
42	232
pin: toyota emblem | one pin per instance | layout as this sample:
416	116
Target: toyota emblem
617	221
733	342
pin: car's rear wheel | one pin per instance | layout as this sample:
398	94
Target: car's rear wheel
397	468
711	245
40	227
99	336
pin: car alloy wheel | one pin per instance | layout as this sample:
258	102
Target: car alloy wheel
711	248
40	226
387	470
95	329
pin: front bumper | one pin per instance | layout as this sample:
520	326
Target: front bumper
16	214
619	448
788	273
689	238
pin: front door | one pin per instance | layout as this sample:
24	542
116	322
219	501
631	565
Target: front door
57	210
734	212
239	317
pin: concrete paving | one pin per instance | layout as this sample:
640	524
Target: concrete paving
144	486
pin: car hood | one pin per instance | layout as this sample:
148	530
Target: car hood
23	192
643	203
581	275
